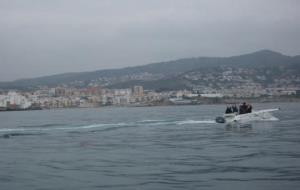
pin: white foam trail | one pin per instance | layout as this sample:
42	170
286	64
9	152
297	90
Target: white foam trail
61	128
183	122
107	125
159	123
150	120
271	119
11	130
99	125
195	122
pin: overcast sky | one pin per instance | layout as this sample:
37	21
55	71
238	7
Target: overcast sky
42	37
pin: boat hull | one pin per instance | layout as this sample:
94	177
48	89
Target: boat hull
261	115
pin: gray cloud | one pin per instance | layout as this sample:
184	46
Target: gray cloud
54	36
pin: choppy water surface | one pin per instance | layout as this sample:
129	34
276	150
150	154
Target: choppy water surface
148	148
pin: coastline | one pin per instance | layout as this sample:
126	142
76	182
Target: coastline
199	101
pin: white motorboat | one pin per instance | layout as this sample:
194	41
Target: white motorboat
260	115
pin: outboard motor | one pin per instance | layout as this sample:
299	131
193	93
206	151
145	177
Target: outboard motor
220	120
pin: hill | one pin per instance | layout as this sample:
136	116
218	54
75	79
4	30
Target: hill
262	66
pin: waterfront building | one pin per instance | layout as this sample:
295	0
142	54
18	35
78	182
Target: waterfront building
214	95
14	100
138	91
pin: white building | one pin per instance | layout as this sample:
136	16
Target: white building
13	98
214	95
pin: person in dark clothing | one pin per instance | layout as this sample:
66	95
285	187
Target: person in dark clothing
243	108
234	109
249	108
228	110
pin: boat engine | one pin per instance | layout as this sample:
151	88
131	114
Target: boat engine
220	120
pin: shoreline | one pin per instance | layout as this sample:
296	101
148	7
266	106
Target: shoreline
206	101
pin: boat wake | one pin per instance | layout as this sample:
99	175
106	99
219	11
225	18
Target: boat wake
59	127
195	122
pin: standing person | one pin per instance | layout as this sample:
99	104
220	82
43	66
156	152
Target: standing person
234	109
243	108
249	108
228	110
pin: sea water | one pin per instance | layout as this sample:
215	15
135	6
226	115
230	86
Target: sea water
174	147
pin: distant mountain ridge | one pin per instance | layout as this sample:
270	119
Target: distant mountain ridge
165	74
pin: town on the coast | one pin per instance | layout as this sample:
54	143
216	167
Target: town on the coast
262	76
96	96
